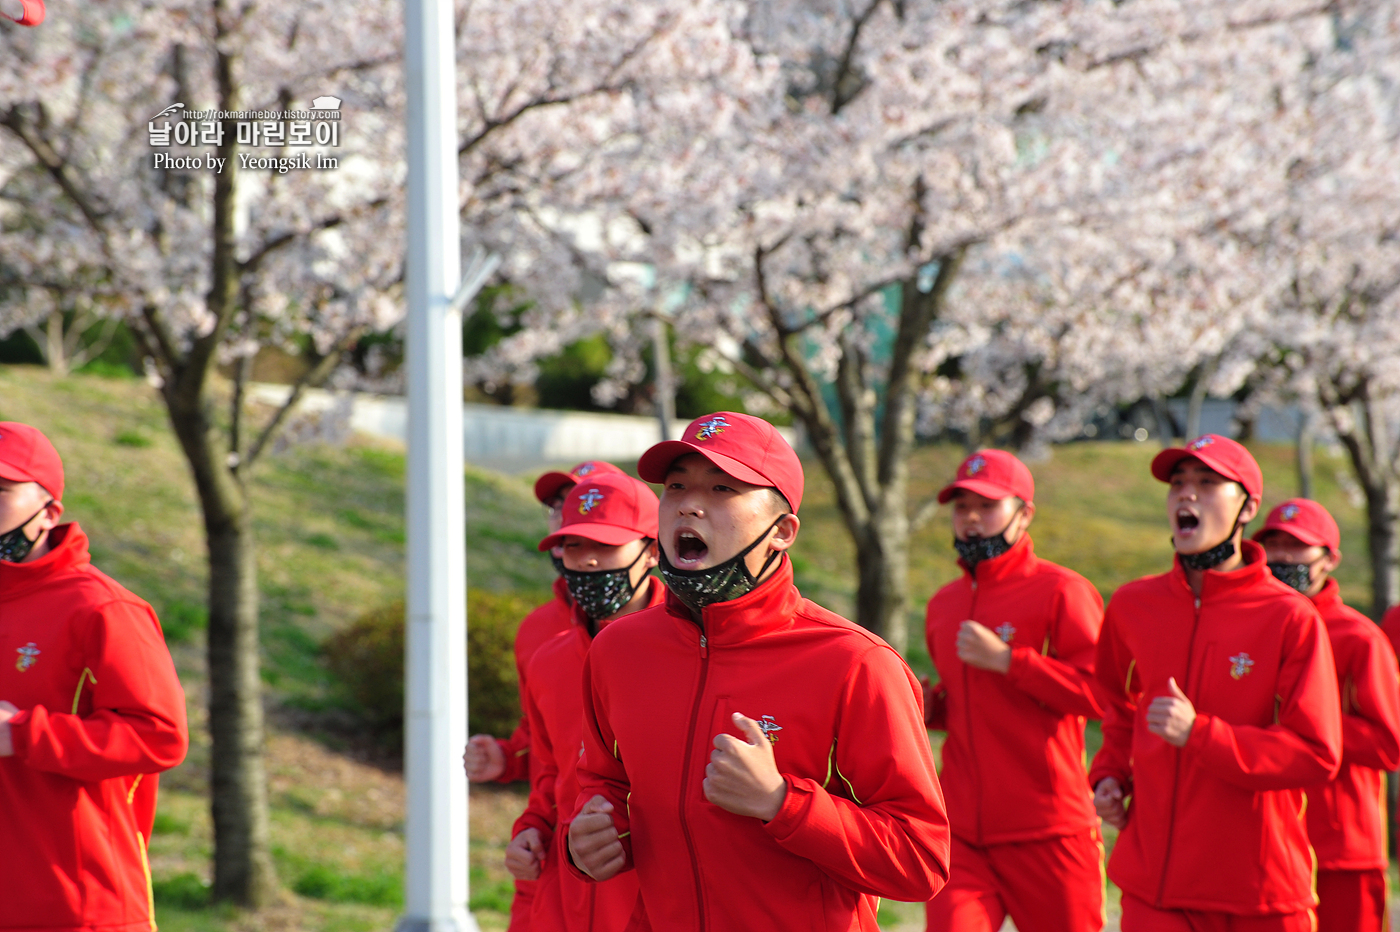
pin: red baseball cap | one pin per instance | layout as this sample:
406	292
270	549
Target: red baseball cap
611	509
1306	520
33	15
27	456
993	474
550	484
1222	454
748	448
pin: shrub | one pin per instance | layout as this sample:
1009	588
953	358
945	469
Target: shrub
368	658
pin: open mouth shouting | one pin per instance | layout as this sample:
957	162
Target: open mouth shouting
690	549
1187	523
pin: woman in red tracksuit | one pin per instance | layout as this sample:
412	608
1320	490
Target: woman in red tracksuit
1013	642
760	762
608	535
1346	816
1222	709
506	760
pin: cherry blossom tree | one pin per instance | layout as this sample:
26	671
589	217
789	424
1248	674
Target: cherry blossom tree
205	265
1332	337
208	266
961	215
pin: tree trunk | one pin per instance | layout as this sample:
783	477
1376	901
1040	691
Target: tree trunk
1305	455
882	565
243	869
1204	372
1383	536
53	354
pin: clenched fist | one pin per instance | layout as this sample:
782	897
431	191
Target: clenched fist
742	776
979	646
1108	802
525	855
483	759
8	710
593	841
1172	717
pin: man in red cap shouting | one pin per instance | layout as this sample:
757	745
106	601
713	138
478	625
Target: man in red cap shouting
1013	642
1222	708
506	760
760	762
91	711
609	541
1346	816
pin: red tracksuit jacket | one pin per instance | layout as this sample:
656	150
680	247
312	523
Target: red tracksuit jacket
1013	764
102	713
554	704
540	626
1390	624
863	817
1218	825
1346	816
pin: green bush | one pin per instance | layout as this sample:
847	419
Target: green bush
368	659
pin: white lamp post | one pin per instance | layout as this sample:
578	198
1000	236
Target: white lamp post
435	721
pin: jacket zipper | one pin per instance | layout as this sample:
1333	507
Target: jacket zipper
592	906
1176	780
686	777
967	710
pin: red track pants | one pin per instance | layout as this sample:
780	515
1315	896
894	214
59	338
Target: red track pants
1055	885
1138	916
1351	901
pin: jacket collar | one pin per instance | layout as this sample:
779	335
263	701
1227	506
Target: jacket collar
1255	572
769	607
1330	598
69	553
1019	561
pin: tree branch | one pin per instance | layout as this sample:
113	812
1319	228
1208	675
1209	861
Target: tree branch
312	378
916	316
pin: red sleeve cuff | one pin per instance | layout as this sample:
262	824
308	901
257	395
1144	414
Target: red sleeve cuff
1199	731
1020	660
790	813
517	762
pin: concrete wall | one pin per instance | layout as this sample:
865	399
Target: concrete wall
508	439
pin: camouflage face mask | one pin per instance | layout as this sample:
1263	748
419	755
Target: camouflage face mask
976	549
14	546
722	583
603	593
1297	575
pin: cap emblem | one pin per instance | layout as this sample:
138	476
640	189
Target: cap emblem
584	469
710	428
1240	665
588	499
1200	443
976	465
1289	512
